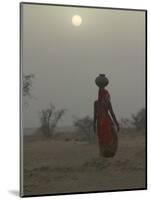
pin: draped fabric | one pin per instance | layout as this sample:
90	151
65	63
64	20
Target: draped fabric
104	122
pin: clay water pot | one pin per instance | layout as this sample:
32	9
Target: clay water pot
101	80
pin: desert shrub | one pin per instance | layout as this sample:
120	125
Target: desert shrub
139	119
85	127
49	119
27	84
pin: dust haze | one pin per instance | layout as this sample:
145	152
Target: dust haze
66	59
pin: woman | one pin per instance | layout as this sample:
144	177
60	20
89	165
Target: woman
104	119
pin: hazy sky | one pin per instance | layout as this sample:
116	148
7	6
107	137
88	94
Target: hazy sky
66	59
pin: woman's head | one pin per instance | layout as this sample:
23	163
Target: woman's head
101	81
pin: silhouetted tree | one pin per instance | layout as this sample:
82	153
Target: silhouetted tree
125	123
139	119
27	84
85	126
49	119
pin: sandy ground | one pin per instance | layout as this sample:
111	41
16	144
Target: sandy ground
52	166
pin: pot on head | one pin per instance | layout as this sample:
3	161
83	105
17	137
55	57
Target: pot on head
101	80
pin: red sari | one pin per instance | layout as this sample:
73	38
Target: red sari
104	121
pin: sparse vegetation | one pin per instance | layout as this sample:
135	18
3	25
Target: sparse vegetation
27	84
49	119
139	119
85	126
52	166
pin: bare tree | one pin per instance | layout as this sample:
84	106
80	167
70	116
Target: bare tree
27	84
139	119
85	126
125	123
49	119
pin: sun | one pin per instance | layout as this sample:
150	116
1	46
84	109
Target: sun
76	20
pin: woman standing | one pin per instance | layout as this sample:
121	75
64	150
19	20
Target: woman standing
104	120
